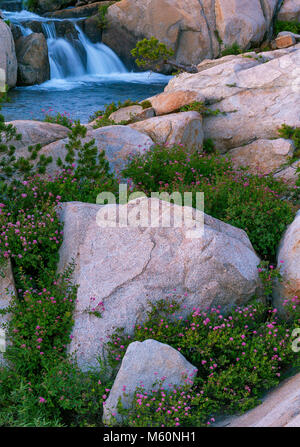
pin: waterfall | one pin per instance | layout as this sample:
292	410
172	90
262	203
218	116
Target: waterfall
84	76
76	58
79	58
25	31
64	58
100	58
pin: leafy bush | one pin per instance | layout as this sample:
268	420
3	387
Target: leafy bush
83	174
251	202
209	146
101	16
60	396
30	235
150	51
292	26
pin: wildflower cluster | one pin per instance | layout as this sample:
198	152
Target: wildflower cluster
238	356
169	406
42	385
29	235
251	202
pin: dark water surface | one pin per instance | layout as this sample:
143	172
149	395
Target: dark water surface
80	98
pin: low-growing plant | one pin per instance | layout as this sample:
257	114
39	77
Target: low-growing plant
251	202
209	146
60	118
234	49
269	275
102	116
31	5
238	355
200	107
101	16
145	104
283	25
291	133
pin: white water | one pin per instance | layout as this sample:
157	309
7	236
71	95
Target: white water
85	59
69	60
79	62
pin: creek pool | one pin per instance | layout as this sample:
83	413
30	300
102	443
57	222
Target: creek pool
80	98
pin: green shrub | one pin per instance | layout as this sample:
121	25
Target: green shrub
200	107
145	104
292	26
31	5
251	202
291	133
151	51
209	146
233	49
60	396
101	16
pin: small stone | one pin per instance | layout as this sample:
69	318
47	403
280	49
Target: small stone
176	128
144	364
125	113
285	41
168	102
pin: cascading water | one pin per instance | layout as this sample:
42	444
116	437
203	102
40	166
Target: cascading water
64	60
84	76
100	58
75	58
67	60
